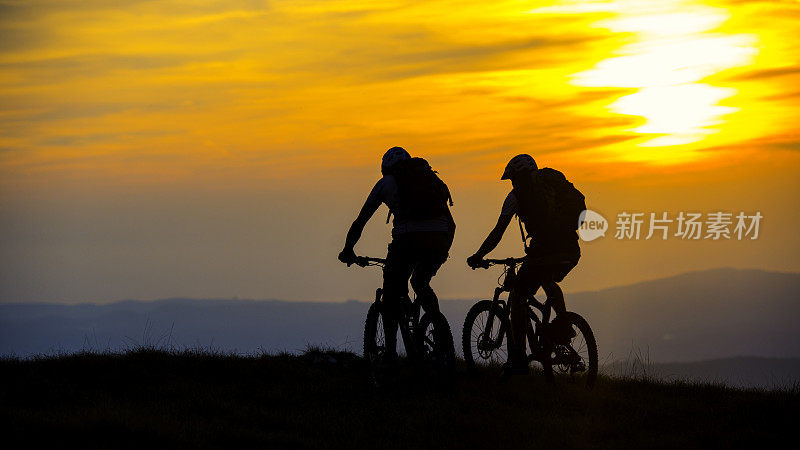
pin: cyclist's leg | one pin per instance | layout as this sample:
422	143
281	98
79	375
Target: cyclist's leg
526	283
421	283
547	269
395	286
554	294
519	316
432	248
549	275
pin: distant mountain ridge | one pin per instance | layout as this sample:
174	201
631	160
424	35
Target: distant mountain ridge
222	324
696	316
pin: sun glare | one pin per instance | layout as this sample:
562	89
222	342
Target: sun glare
679	114
670	57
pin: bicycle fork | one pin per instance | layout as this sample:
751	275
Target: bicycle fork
487	343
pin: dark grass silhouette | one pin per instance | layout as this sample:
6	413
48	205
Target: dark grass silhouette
322	399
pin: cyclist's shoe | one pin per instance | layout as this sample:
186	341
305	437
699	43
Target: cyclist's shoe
560	331
510	369
390	357
387	362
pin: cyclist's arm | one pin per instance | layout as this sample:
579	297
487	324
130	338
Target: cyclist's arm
495	235
370	206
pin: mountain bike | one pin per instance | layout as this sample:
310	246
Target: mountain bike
427	339
487	332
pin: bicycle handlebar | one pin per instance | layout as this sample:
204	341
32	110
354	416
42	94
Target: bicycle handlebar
364	261
486	263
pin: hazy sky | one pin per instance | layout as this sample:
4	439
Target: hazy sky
151	149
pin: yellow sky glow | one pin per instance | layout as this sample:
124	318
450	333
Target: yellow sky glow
232	83
259	125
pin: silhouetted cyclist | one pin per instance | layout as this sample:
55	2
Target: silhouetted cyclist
422	232
550	207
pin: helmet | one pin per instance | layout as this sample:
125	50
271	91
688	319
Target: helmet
392	156
519	164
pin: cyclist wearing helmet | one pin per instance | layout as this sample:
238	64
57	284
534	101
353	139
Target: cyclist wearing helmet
552	253
422	231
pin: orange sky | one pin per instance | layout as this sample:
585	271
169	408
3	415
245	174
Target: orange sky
220	148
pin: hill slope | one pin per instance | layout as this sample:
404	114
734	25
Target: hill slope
149	398
699	315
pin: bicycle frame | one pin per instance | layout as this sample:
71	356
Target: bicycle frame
408	322
503	308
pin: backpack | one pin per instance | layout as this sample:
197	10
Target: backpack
422	194
558	209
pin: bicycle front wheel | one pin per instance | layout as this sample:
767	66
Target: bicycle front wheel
485	343
375	336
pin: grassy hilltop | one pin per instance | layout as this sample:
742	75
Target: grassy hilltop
324	400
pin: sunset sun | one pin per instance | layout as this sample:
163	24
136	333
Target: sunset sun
670	55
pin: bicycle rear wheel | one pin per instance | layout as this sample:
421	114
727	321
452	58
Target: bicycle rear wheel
435	341
482	347
575	360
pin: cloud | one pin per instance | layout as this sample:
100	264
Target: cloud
459	58
79	139
784	96
255	79
766	73
764	144
93	66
